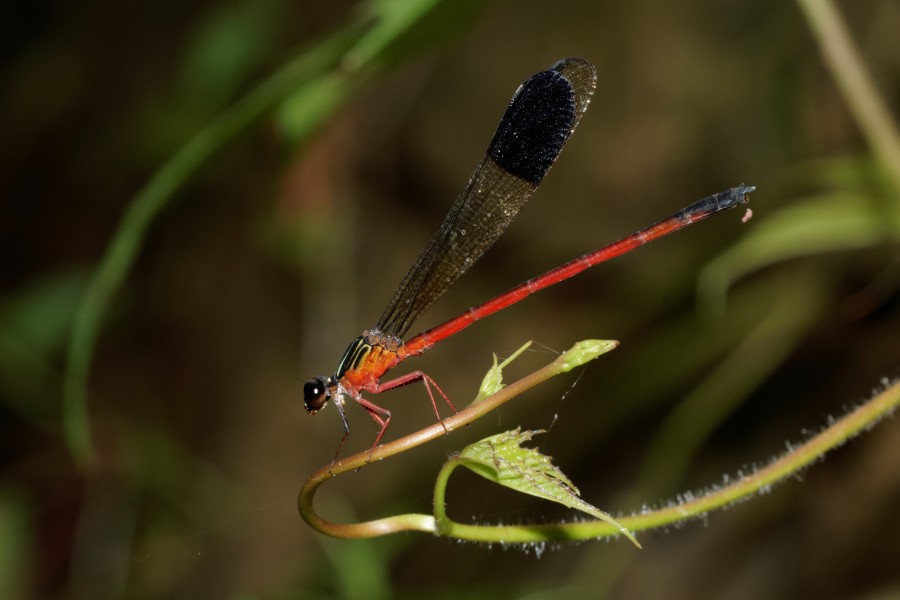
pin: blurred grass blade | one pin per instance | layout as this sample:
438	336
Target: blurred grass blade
18	556
825	223
739	371
143	210
323	77
856	85
36	321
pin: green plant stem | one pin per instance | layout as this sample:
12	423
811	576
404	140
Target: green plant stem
565	362
855	422
745	486
862	97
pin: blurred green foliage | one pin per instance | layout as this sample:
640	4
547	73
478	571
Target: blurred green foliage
312	148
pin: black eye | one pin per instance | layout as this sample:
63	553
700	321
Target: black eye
315	394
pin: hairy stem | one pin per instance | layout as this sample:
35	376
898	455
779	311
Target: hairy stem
746	485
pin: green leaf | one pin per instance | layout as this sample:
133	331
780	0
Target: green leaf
585	351
502	459
493	379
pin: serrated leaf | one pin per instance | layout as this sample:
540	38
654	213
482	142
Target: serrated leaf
502	459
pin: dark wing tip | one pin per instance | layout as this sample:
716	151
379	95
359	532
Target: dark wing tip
540	117
582	76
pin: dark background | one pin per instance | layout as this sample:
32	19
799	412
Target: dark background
288	239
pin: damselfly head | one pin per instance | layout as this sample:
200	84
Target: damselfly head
316	393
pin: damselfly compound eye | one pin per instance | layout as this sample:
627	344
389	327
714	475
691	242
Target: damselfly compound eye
315	395
539	119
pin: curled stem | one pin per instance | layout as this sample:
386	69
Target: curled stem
563	363
577	355
744	486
